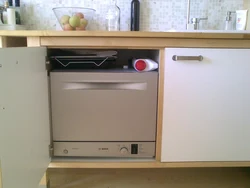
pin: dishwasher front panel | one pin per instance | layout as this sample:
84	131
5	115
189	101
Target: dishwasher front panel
104	106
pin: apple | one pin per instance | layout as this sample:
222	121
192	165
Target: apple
80	28
64	19
68	27
74	21
83	22
80	15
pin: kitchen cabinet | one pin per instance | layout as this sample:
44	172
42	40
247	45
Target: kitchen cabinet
24	106
24	117
206	105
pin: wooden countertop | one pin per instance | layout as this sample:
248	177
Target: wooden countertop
128	34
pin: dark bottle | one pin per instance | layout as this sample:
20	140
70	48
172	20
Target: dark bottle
10	3
17	3
18	12
135	15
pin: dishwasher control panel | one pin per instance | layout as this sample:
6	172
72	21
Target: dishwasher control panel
104	149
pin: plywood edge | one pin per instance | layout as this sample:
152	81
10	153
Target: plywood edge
44	181
119	42
160	104
3	42
1	182
117	165
33	41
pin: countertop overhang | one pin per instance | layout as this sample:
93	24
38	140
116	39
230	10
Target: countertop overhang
206	34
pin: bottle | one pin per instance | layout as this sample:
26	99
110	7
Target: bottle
241	19
18	12
113	17
135	15
11	16
11	13
144	65
229	24
5	16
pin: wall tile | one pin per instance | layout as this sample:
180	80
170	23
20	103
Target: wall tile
156	15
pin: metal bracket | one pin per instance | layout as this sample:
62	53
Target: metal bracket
51	151
48	67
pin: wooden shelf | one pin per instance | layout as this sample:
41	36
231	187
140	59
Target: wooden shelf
146	164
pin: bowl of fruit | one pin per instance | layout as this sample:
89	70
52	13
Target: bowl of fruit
74	18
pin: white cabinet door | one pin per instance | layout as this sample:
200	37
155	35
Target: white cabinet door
207	106
24	117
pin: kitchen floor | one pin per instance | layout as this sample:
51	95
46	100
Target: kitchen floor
151	178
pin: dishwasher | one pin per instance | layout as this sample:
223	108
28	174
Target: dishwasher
104	113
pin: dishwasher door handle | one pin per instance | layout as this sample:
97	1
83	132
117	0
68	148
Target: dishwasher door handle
187	58
140	86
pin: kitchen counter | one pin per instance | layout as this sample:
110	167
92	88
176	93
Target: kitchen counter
154	41
125	39
206	34
157	41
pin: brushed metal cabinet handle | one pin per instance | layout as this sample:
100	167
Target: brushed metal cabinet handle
187	58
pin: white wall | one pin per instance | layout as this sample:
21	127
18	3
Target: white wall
247	4
156	15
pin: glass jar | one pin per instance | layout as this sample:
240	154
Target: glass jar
112	18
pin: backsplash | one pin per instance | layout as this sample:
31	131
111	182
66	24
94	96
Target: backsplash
156	15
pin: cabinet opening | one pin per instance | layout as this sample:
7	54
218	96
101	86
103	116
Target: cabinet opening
96	59
96	115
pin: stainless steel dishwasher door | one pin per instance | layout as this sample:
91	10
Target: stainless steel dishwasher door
99	106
